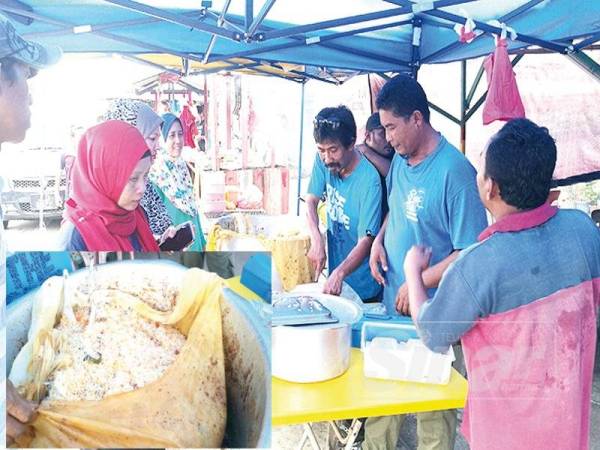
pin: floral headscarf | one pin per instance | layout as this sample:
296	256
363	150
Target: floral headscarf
171	175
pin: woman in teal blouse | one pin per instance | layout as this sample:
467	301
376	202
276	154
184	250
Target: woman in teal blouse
172	179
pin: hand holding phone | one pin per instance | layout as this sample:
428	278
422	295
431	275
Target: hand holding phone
183	237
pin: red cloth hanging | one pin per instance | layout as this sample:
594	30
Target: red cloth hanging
503	101
190	131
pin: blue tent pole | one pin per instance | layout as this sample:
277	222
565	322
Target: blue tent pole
149	63
319	26
589	41
416	44
249	17
113	37
510	16
300	152
586	63
261	16
463	106
213	38
178	19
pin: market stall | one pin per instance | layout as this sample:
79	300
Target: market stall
383	37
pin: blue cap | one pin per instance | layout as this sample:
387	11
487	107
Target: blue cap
31	53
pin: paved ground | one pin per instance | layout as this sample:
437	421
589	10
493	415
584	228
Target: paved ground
25	235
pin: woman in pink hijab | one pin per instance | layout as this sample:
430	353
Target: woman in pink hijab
109	179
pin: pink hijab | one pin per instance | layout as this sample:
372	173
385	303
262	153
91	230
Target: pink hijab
106	157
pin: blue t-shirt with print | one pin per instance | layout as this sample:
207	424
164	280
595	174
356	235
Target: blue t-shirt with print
353	212
434	203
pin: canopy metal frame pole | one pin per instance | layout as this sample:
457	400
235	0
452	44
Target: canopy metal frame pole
300	152
475	84
134	22
213	38
550	45
266	72
416	45
509	16
150	63
219	69
259	18
324	41
129	41
589	41
249	16
227	24
466	111
98	27
443	112
554	46
320	26
586	63
463	106
435	4
302	73
177	19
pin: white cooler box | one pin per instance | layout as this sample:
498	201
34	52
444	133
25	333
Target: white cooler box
395	352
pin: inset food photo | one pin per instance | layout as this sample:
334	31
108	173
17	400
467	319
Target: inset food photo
149	352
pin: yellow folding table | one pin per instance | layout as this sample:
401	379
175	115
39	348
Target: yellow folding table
353	395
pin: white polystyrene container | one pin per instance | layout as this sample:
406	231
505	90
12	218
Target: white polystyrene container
395	352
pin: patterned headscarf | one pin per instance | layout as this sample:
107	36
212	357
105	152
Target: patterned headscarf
171	175
136	113
140	115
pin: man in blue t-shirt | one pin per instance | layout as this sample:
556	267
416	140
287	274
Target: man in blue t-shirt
352	189
379	153
433	201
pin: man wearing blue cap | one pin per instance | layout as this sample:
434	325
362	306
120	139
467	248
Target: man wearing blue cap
19	61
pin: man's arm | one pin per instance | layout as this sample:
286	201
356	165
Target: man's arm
381	163
416	262
333	285
316	254
431	279
445	318
378	256
433	274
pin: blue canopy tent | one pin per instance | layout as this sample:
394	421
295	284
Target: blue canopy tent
344	39
394	38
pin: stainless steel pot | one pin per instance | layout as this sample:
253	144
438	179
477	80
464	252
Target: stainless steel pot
247	356
311	353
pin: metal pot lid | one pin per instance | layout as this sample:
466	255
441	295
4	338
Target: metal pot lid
345	311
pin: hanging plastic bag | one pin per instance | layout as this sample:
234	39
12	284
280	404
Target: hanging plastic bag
503	101
467	31
185	407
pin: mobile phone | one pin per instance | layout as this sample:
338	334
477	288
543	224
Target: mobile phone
184	236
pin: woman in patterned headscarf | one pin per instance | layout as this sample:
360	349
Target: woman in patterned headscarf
141	116
172	179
